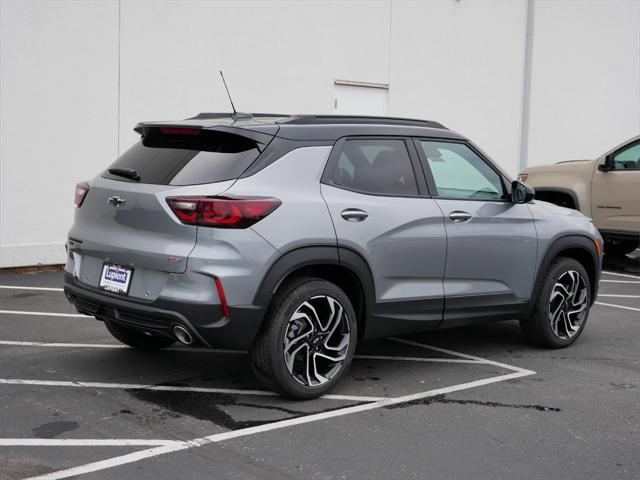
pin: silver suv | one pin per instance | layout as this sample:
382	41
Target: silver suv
295	236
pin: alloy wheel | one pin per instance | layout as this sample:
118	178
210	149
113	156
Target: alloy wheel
568	304
316	341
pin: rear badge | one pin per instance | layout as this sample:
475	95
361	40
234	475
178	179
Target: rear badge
116	201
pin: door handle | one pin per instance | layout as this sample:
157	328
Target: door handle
354	215
459	216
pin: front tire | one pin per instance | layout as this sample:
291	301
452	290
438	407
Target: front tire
308	339
562	307
137	339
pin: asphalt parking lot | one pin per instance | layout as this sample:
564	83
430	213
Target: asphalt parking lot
473	402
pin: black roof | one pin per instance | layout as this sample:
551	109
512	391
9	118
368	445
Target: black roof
312	127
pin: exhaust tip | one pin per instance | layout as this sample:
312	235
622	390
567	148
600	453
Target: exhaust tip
183	335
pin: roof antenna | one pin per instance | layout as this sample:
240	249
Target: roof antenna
228	94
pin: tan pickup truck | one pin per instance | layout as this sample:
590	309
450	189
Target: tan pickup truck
606	189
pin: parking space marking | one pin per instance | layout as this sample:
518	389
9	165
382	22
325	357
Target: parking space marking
620	281
463	355
44	314
170	388
89	442
621	274
416	359
20	287
60	345
619	296
624	307
199	442
16	343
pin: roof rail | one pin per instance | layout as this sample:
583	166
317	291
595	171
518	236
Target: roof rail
214	115
359	119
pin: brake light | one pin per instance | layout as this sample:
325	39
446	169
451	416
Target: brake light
82	189
179	131
222	212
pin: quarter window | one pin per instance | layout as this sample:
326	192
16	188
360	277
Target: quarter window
459	172
380	166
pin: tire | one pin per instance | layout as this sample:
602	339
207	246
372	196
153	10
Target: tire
293	339
619	248
137	339
565	295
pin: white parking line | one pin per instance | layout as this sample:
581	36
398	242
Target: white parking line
59	344
416	359
20	287
15	343
198	442
463	355
624	307
621	274
44	314
170	388
618	296
620	281
73	442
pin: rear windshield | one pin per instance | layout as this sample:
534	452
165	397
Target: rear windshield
186	160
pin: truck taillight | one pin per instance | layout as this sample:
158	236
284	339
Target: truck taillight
222	212
82	189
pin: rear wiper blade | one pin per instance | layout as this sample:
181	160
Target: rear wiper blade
125	172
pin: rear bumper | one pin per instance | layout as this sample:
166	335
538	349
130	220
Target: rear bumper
206	322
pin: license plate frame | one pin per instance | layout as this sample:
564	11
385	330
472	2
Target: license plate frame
114	284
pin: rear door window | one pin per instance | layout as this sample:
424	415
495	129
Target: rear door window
187	160
377	166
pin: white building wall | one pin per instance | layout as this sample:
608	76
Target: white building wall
585	93
75	77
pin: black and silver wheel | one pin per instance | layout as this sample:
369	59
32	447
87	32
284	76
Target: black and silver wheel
308	340
562	307
568	305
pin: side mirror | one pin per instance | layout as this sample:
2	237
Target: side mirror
521	193
607	165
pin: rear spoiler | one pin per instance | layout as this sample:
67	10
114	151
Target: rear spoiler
260	134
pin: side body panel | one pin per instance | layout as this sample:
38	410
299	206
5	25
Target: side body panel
403	239
491	260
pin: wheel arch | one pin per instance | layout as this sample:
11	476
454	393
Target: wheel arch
339	265
545	191
580	248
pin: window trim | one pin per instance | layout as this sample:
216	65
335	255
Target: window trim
334	158
424	164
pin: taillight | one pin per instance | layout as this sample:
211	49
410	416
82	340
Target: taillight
222	212
81	192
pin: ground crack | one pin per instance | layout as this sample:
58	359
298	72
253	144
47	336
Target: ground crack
442	399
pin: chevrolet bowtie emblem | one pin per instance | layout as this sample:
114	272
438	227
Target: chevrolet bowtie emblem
116	201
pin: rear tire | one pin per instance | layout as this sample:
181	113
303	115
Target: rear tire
137	339
562	307
308	339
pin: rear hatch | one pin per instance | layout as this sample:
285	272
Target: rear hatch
125	219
